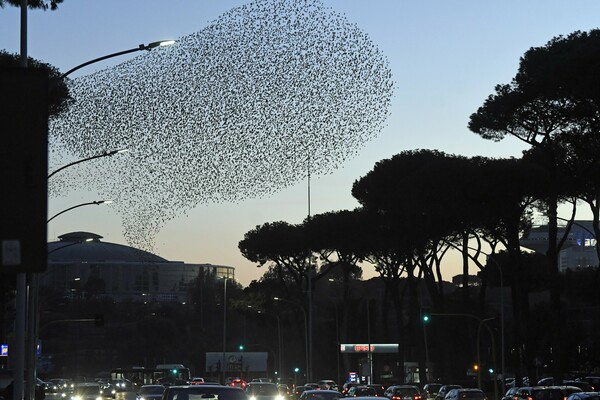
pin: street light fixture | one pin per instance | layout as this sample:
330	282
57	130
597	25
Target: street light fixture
305	330
141	47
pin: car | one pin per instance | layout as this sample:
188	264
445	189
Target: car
379	389
197	381
444	389
361	391
150	392
403	392
327	384
466	394
592	380
430	390
510	393
321	394
346	386
86	391
263	391
237	382
584	386
312	385
283	389
584	396
539	393
201	392
107	389
299	389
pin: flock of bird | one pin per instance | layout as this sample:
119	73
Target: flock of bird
266	94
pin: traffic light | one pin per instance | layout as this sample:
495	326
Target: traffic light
241	347
174	371
425	314
476	367
296	370
491	370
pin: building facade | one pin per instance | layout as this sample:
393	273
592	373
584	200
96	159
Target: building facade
578	251
81	265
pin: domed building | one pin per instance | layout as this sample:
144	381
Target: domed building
80	264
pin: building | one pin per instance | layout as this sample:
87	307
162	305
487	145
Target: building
81	265
578	251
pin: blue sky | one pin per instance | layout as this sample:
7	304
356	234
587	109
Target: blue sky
446	57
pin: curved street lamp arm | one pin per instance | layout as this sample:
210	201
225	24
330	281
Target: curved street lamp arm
105	154
120	53
98	202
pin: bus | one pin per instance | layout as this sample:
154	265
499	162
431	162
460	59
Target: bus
164	374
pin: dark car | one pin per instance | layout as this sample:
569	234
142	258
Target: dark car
361	391
430	390
444	389
584	396
203	392
403	392
592	380
466	394
346	386
510	393
323	394
584	386
299	389
379	389
150	392
263	391
539	393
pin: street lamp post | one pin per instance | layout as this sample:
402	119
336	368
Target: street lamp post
224	328
279	350
305	329
23	312
481	323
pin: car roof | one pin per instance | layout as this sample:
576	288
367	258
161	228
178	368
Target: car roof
320	391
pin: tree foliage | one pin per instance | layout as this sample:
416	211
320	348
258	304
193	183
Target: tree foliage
33	4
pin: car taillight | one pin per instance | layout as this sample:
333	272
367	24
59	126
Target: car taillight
396	398
417	397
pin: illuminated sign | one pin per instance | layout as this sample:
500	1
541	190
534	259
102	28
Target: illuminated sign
3	350
364	348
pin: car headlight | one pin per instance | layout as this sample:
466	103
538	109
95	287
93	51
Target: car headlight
279	397
113	391
76	398
252	397
63	394
99	398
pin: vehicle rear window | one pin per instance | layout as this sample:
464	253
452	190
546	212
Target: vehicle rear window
266	390
471	395
547	394
405	392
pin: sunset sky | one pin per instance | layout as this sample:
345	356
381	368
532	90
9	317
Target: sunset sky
445	57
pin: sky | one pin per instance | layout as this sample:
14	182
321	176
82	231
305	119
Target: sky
445	57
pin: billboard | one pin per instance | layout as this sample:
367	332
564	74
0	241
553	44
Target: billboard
237	361
364	348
